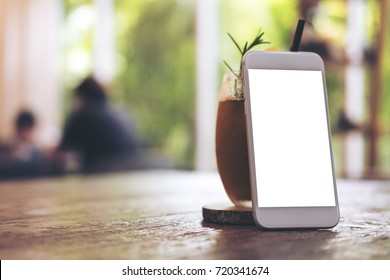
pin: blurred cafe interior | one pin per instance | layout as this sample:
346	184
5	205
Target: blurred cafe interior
160	63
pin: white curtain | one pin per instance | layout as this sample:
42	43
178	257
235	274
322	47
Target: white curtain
206	83
29	63
104	41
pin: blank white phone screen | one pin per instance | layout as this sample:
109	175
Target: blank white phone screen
291	144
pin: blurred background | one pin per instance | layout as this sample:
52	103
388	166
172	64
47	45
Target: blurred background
162	62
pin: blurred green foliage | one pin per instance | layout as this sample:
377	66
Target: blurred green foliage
156	83
155	59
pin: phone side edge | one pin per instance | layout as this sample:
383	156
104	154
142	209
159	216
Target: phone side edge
248	123
330	140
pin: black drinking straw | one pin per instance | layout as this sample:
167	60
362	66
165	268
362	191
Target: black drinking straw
298	36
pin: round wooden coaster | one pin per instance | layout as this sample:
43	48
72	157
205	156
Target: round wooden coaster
227	214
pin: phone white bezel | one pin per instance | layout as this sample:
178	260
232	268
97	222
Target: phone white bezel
286	217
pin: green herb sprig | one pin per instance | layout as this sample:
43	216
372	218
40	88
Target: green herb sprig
258	40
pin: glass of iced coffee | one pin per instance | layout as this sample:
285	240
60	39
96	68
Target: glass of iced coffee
231	143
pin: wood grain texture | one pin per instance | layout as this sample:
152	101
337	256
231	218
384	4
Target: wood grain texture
158	215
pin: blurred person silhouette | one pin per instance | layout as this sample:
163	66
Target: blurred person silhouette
313	41
105	139
21	157
332	54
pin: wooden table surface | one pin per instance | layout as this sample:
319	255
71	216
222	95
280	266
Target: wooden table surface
157	215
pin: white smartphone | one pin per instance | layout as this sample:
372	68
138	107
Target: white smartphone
292	176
